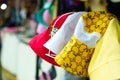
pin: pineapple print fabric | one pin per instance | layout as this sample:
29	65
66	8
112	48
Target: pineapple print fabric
97	21
76	55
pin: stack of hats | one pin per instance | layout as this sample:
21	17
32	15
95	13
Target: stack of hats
37	41
74	46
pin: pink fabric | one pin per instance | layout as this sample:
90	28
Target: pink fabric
48	76
49	0
41	77
46	16
11	29
40	28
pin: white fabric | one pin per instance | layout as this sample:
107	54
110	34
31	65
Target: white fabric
26	63
19	59
9	52
89	39
59	40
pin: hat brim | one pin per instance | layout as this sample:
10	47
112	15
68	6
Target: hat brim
37	41
37	46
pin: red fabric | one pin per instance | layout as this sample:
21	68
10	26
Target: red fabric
37	42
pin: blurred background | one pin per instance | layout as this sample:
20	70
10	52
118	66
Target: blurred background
19	22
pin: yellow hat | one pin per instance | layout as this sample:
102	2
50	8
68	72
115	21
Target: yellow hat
76	55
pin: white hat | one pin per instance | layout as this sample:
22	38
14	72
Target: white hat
60	39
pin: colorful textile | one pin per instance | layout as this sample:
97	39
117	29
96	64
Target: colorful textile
76	55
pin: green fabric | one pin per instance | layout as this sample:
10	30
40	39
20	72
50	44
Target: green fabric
47	5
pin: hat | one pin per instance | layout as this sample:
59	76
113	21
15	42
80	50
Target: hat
62	36
36	43
76	55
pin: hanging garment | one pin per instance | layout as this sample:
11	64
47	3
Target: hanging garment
44	16
105	62
41	27
37	41
76	55
47	17
59	40
45	13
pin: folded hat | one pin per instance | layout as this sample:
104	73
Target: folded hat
105	62
76	55
59	40
36	43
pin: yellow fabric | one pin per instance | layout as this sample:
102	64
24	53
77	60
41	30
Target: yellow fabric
55	7
97	21
105	62
75	56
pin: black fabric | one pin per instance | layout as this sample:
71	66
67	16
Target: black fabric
70	5
52	72
44	75
114	8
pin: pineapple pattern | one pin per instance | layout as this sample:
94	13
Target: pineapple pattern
75	56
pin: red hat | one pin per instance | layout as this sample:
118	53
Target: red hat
37	42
